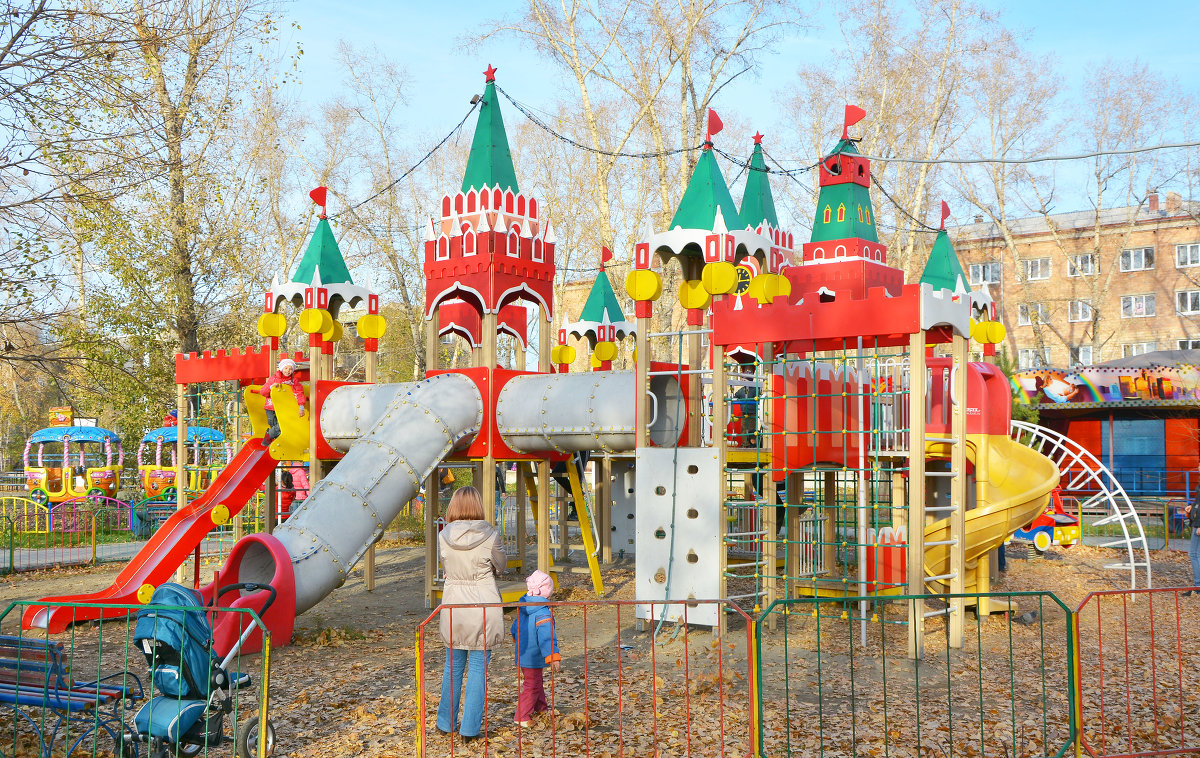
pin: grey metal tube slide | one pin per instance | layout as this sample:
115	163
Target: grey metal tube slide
589	411
393	435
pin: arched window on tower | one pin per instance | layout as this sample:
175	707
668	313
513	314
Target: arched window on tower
472	198
842	212
445	206
860	214
443	249
867	213
468	245
537	251
827	214
514	243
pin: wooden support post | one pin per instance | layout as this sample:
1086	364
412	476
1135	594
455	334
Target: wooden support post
602	498
793	546
767	512
721	447
641	367
829	523
916	494
543	516
488	486
695	362
314	429
180	461
432	483
522	501
958	486
372	372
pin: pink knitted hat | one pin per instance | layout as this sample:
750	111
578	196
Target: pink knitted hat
539	583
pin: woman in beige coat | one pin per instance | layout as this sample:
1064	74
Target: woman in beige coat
472	557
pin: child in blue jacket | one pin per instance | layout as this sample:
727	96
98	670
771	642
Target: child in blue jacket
537	645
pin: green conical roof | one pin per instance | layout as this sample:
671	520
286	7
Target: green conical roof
943	270
601	300
758	205
323	254
706	191
844	210
490	163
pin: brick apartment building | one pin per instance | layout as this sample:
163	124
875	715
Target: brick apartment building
1085	287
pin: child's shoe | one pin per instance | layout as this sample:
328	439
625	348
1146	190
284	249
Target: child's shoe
523	724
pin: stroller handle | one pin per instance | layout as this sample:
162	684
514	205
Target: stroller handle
249	587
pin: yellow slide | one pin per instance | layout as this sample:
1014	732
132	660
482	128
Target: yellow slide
1013	486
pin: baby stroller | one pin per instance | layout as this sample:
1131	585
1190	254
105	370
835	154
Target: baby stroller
194	690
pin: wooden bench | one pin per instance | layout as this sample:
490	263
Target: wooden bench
35	681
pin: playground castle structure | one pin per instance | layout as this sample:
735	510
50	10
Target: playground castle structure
798	434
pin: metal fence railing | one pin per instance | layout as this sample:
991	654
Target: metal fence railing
92	691
626	687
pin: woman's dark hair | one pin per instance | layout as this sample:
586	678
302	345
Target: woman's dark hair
285	480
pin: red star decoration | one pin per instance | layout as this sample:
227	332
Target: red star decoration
490	74
758	138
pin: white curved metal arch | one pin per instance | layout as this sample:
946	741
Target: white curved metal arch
1078	468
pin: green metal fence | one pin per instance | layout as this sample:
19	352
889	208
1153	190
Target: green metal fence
836	679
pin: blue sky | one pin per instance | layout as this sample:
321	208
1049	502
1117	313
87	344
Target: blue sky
426	40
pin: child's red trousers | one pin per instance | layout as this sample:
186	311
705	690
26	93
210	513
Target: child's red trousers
533	694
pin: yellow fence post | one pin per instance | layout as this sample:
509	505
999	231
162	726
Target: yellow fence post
263	732
420	666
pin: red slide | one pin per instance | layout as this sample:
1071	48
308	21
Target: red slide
170	546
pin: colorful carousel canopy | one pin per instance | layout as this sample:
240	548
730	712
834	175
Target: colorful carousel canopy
194	434
75	434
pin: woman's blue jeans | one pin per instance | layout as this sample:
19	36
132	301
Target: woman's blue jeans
474	662
1194	555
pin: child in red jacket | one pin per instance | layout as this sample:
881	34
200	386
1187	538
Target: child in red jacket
285	375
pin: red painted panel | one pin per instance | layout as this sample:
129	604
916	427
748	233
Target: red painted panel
1087	432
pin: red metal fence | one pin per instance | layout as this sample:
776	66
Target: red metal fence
1139	685
628	686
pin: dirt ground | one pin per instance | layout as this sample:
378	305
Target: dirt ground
347	686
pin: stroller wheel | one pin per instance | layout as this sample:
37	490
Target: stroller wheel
187	750
249	736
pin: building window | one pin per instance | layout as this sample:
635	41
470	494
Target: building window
1137	306
1082	265
1188	302
985	273
1189	344
1130	349
1079	310
1081	355
1137	259
1187	255
1030	313
1036	269
1028	358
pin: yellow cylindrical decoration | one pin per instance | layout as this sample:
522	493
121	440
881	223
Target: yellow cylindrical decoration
315	320
371	326
605	351
272	325
979	331
692	294
334	332
220	515
719	278
996	332
594	361
766	287
562	354
643	284
144	593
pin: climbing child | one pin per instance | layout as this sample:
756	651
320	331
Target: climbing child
285	375
537	645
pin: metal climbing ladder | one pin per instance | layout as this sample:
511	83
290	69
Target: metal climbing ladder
1080	470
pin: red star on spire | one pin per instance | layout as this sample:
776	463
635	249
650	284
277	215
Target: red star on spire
490	74
758	138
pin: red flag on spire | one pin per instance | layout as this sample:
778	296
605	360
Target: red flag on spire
945	213
318	197
714	124
606	255
854	114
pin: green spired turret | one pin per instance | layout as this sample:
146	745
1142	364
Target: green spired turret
602	302
943	269
323	255
490	163
844	206
706	191
758	205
